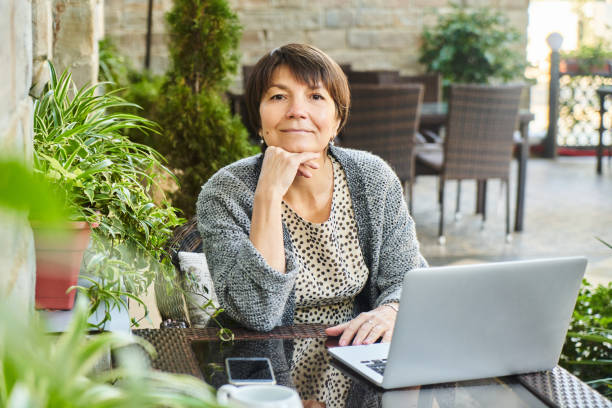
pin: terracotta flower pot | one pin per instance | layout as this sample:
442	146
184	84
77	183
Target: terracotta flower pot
59	252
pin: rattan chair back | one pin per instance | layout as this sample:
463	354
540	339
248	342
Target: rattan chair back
383	120
480	128
171	305
372	77
432	83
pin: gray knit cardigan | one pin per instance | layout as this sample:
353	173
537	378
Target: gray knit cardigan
259	297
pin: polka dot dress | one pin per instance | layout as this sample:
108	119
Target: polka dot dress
332	272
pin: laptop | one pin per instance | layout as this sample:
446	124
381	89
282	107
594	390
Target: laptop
468	322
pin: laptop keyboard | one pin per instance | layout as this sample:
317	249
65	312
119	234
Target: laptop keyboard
376	365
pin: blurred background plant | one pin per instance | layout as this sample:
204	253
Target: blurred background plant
39	370
81	149
587	352
472	46
590	57
198	134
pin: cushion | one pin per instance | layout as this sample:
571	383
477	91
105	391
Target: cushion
198	286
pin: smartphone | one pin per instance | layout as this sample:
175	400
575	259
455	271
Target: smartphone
249	370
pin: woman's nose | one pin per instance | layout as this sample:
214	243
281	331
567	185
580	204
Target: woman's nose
297	109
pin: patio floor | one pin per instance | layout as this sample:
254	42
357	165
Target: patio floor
567	206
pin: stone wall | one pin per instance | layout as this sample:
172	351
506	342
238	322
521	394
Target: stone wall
125	22
34	31
77	27
16	242
369	34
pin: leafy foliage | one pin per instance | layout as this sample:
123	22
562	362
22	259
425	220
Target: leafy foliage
204	36
587	352
81	148
590	56
204	137
23	191
141	88
38	370
200	135
472	47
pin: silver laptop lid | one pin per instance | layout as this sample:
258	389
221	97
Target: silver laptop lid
477	321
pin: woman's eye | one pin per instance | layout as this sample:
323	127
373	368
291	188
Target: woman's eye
277	97
317	97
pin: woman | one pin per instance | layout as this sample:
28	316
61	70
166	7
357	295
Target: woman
307	232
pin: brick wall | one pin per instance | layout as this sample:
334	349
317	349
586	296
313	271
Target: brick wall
369	34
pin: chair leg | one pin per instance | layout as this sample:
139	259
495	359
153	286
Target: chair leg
484	202
441	238
508	235
458	202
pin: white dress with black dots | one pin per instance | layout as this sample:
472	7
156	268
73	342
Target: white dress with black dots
332	272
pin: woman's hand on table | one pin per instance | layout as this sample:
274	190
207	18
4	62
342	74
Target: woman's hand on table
367	327
280	168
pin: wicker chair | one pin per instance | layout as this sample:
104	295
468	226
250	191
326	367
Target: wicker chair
479	140
372	77
172	307
384	120
432	83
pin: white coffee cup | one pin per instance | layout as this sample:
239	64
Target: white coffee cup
260	396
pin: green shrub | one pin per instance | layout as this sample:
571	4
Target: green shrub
201	136
472	47
587	352
199	133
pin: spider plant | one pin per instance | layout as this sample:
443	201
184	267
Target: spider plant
81	147
39	370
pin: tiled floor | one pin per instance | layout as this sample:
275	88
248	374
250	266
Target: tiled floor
567	206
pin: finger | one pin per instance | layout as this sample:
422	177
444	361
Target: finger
387	337
304	173
305	170
363	332
307	156
375	334
311	164
336	330
351	329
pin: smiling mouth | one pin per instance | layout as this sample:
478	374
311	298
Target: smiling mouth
296	131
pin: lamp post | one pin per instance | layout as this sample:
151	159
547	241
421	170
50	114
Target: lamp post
147	61
554	41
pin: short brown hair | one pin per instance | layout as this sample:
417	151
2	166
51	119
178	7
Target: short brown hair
309	65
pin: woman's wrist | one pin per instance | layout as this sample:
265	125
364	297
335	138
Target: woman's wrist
392	305
264	195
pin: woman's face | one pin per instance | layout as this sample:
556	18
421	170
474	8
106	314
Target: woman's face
296	117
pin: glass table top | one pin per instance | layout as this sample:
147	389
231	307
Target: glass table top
305	365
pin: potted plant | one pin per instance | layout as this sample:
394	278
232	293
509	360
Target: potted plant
472	46
588	59
80	147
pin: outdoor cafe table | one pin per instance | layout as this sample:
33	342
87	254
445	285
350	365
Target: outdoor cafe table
436	114
200	353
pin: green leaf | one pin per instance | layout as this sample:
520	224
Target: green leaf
21	190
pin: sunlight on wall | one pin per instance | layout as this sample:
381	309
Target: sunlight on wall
546	17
